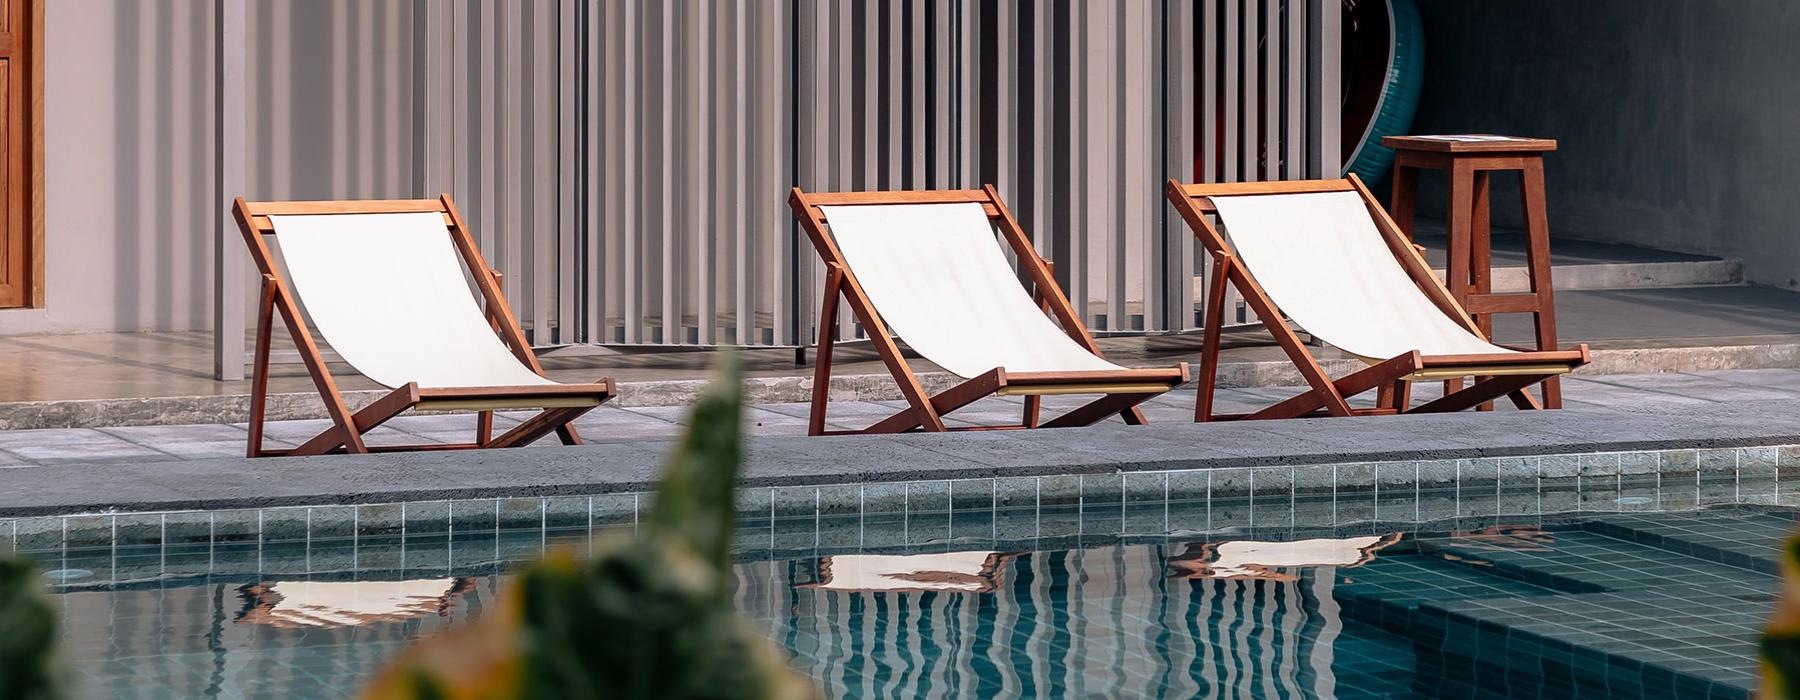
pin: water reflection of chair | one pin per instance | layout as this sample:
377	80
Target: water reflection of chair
329	604
965	572
1252	560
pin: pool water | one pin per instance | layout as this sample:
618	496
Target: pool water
1082	604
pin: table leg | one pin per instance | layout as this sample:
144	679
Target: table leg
1460	228
1481	260
1406	189
1537	237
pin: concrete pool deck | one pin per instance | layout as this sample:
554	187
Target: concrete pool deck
1697	426
1640	311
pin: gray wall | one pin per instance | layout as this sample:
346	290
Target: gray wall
1676	118
578	135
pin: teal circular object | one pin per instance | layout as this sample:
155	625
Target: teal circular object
1399	95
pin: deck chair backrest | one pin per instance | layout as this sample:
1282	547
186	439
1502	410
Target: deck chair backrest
1323	262
387	292
936	275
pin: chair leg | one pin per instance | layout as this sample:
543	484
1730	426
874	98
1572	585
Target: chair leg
949	400
1480	392
1033	410
363	421
484	427
1098	410
821	390
1213	325
1523	400
544	423
259	371
1371	377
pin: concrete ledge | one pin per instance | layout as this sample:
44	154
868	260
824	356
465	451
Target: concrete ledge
186	410
1637	275
1767	430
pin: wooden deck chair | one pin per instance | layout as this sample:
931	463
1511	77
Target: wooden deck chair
384	283
1325	253
925	266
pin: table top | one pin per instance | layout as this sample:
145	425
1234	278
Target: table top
1469	143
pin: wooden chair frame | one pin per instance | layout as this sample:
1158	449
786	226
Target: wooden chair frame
560	403
1496	376
1121	391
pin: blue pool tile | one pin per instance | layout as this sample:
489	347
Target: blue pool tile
331	522
1102	488
1272	482
614	509
426	517
1717	464
795	501
567	512
1146	487
1016	492
471	517
1315	479
1229	482
378	520
1059	490
1640	463
1190	485
840	499
519	513
1559	466
884	498
928	497
1599	465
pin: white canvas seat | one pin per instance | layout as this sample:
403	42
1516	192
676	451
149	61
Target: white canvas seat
1323	263
1323	254
939	279
387	292
928	268
399	291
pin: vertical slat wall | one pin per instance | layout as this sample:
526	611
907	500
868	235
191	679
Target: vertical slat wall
625	163
1268	101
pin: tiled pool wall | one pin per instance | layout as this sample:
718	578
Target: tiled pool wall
1274	502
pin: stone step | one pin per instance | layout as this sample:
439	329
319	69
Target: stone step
1627	275
1628	605
1579	561
1750	542
1388	591
1680	641
1618	275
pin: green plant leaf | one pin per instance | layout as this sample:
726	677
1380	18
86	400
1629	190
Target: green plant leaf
647	617
30	665
694	502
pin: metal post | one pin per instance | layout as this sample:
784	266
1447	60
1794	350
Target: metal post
230	103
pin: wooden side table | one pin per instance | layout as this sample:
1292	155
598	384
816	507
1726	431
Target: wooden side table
1468	160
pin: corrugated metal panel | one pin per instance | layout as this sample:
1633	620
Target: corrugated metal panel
625	163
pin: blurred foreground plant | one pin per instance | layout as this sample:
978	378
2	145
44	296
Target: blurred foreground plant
30	668
1781	641
649	616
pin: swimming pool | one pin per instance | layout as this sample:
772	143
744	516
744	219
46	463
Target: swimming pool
1651	585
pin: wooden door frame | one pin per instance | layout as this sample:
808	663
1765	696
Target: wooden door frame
28	29
34	248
